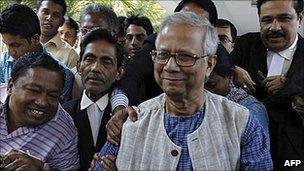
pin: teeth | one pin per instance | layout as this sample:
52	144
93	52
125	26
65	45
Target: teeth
37	112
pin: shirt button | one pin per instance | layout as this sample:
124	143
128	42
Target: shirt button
174	153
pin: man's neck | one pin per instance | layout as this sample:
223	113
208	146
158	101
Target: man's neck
185	106
95	97
45	38
12	122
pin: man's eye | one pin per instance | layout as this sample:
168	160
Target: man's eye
33	90
163	55
129	37
185	57
107	62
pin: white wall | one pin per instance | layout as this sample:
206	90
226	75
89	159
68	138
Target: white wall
240	13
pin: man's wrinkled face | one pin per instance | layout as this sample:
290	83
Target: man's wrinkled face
34	97
134	39
279	24
177	81
98	68
18	46
91	22
68	34
51	18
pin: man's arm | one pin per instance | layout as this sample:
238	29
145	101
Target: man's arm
255	147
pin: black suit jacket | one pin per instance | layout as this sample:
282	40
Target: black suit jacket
139	73
86	148
251	54
286	127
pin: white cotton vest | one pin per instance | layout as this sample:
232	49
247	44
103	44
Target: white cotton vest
215	145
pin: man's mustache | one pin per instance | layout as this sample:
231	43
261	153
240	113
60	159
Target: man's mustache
275	34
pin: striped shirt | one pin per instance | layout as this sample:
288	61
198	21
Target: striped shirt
54	142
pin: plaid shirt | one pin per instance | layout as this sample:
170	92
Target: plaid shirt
255	144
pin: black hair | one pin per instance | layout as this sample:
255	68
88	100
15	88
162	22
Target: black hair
223	23
35	60
59	2
21	20
297	5
102	34
139	21
105	13
71	23
224	65
207	5
121	25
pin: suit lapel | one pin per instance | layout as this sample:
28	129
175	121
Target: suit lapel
84	124
102	134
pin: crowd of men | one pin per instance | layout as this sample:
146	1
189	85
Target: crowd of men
203	98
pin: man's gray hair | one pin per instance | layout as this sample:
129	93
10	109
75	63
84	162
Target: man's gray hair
211	38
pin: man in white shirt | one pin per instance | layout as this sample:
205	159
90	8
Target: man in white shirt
100	68
51	15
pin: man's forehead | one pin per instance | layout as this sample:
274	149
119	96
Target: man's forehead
94	20
277	7
9	38
50	5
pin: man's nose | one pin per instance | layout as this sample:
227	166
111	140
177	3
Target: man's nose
134	41
275	26
42	100
171	65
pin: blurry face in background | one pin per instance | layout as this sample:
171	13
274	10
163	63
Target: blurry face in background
225	37
68	34
50	15
18	46
298	104
217	84
91	22
191	7
134	39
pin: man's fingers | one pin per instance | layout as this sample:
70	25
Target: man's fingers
111	157
13	165
112	139
108	163
132	113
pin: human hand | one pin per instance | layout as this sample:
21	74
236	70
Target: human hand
19	160
108	163
92	164
114	126
273	84
243	79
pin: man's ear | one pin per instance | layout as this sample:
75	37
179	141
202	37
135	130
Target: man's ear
211	62
35	39
10	86
78	67
120	73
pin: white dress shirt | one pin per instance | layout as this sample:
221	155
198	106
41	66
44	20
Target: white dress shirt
278	63
95	112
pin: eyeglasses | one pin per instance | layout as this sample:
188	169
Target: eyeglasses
182	59
84	30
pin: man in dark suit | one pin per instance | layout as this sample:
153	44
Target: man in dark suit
100	67
269	56
273	57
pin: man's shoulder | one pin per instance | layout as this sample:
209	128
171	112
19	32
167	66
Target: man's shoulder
250	38
63	120
225	106
71	106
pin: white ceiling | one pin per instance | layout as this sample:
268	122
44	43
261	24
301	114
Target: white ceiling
241	13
